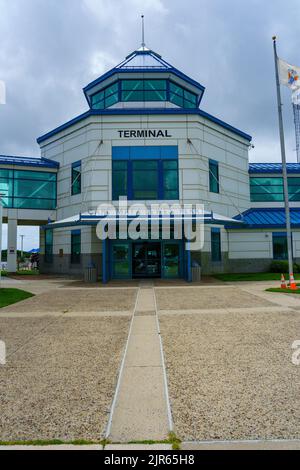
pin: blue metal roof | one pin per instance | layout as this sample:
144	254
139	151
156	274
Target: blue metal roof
268	218
273	168
28	161
144	60
140	111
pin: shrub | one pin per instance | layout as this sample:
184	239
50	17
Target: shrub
282	266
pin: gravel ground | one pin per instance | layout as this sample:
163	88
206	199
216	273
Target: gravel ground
60	384
230	375
207	298
77	300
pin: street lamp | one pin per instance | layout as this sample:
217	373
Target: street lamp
22	241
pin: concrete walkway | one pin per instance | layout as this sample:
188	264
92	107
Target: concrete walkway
140	408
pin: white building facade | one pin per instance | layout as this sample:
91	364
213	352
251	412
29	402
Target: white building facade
146	138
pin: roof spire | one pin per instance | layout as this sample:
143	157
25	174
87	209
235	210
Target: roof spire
143	32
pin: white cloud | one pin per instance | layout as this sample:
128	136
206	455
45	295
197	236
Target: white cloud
101	62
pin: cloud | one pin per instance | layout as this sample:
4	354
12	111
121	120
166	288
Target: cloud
51	49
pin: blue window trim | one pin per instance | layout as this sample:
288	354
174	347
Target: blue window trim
217	231
108	262
280	235
14	197
48	257
215	164
150	153
120	89
75	165
105	97
75	259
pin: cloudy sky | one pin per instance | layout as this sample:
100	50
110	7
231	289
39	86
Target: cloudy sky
50	49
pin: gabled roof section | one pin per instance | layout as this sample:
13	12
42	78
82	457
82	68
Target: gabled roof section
272	218
143	60
273	168
28	161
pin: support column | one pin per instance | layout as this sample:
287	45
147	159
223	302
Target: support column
12	233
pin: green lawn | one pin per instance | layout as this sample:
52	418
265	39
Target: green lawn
232	277
22	272
283	291
11	296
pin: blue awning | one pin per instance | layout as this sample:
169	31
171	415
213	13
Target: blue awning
267	218
255	168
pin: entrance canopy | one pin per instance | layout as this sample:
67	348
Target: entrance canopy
93	218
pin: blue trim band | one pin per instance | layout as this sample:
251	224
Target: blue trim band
156	70
150	152
28	161
124	112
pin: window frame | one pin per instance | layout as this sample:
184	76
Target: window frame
76	165
48	257
75	258
182	97
15	177
161	189
280	235
143	90
213	242
106	96
214	180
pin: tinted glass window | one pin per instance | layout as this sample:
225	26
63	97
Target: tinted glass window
216	254
213	177
76	179
280	250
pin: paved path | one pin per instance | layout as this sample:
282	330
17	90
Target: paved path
140	408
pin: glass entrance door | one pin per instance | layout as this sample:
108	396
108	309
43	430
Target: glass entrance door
171	260
146	259
121	266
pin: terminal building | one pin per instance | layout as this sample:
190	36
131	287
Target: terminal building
145	137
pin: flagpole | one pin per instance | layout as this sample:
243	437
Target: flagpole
283	159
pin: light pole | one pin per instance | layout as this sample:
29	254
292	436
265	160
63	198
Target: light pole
22	243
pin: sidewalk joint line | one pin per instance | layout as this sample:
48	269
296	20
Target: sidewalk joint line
169	411
114	402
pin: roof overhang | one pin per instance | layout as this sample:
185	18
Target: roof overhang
41	163
205	217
